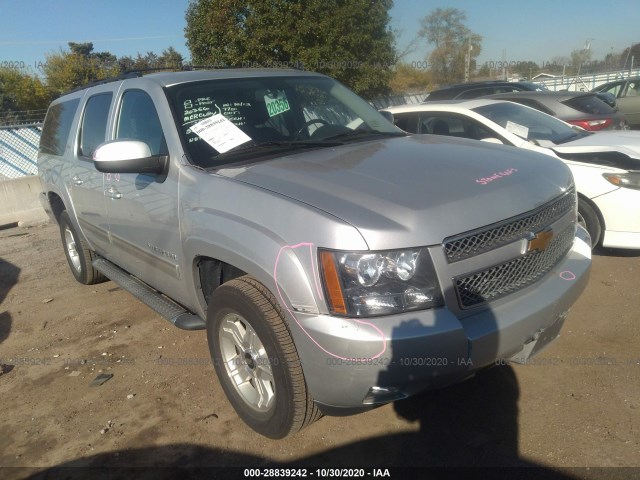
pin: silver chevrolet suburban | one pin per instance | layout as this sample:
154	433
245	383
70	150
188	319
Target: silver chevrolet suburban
335	262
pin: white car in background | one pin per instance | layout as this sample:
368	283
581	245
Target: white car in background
605	165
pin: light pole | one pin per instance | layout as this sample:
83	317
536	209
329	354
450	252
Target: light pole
467	62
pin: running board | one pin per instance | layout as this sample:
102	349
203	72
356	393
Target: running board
164	307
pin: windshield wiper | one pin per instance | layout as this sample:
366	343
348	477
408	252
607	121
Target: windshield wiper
284	143
364	133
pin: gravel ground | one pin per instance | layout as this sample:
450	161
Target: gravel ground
576	405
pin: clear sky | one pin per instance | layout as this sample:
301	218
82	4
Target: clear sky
538	32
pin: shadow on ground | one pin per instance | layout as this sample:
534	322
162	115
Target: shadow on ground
616	252
9	274
472	425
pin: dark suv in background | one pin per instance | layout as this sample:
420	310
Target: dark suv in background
586	110
465	91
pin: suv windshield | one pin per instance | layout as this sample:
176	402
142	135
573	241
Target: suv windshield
528	123
219	120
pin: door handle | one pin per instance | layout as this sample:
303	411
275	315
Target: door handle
76	180
113	193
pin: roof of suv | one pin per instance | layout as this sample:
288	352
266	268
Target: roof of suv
166	79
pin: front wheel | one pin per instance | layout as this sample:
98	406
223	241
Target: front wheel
256	360
78	254
588	218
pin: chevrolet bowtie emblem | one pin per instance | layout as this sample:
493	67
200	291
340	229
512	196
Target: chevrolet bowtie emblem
540	241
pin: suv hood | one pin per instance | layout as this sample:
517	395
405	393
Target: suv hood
413	191
625	141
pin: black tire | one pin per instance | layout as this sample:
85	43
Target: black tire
589	219
244	304
80	263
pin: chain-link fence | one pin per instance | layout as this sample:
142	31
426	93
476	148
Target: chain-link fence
23	117
384	102
19	150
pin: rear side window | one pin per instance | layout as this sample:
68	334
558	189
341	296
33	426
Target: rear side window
532	103
442	94
57	126
589	104
453	126
633	89
476	92
407	121
94	123
613	89
507	89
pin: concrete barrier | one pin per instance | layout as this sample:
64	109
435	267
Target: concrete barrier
19	201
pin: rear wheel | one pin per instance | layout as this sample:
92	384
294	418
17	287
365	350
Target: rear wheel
588	218
256	360
78	254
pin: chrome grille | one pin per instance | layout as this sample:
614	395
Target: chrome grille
508	277
493	236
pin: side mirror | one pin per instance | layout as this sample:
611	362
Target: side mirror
128	156
492	140
388	116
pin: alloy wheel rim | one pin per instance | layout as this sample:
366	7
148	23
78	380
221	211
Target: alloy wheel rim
246	363
72	250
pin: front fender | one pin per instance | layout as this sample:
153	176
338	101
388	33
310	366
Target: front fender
267	235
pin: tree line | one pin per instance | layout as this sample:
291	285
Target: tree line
351	41
24	96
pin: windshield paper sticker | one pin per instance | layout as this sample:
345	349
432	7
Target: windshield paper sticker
517	129
276	104
196	110
220	133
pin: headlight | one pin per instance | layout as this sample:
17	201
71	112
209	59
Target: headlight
379	283
624	180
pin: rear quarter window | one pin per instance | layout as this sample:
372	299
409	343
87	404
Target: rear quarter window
589	104
531	103
57	126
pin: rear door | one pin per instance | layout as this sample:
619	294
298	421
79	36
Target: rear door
85	182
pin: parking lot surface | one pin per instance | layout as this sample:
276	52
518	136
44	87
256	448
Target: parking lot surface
577	404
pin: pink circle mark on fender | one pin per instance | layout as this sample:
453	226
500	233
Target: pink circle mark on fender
314	268
567	275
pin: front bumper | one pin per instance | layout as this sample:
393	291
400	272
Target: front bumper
349	364
621	213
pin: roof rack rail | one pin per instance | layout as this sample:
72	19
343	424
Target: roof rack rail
222	66
139	72
124	76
